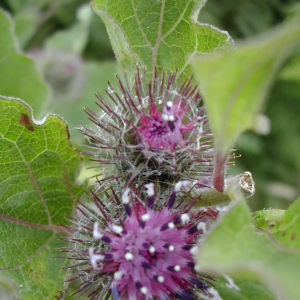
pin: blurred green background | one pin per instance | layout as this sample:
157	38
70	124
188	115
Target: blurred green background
73	53
273	160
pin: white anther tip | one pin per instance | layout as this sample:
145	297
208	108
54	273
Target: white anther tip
194	250
197	268
145	217
152	249
165	117
118	275
125	196
171	225
94	258
185	218
150	189
201	226
117	229
179	184
170	104
129	256
177	268
96	234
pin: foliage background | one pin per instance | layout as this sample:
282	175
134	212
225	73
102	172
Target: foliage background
272	159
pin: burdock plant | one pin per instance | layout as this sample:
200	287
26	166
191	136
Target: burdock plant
156	132
140	247
152	137
150	226
153	131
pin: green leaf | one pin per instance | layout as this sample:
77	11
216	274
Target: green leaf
235	86
163	34
38	193
234	248
245	290
19	76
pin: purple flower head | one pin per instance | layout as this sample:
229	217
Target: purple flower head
165	131
156	130
144	251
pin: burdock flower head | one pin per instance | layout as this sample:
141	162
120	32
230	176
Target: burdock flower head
154	131
143	250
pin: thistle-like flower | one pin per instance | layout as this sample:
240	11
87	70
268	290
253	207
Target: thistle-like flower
156	131
140	249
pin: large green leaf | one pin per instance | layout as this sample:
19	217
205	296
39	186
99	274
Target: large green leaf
234	248
38	193
163	34
19	75
235	86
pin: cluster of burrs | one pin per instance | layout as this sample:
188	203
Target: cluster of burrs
139	237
